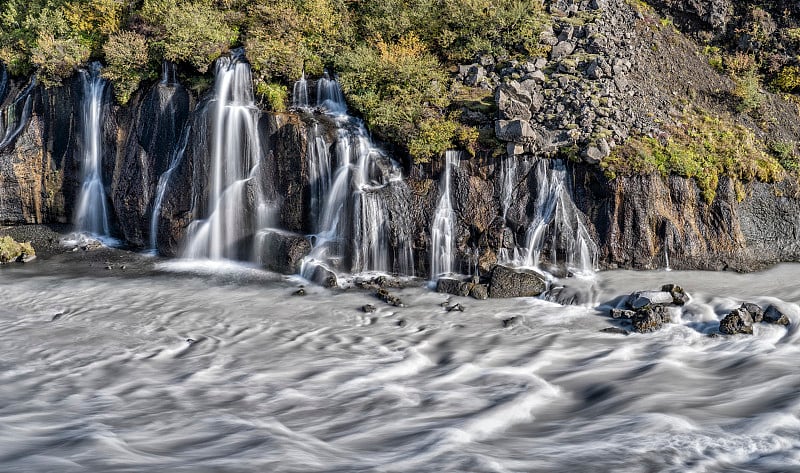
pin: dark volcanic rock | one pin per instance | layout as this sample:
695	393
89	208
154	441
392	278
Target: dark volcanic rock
453	286
642	299
679	296
283	252
756	312
738	321
389	298
479	291
509	282
615	330
324	277
773	315
651	319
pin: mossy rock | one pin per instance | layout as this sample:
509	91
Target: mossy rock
11	250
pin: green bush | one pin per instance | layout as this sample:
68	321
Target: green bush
275	95
191	32
784	152
128	63
748	92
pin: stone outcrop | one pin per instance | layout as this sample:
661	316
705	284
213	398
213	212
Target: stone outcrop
741	320
510	282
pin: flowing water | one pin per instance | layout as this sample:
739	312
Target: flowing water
197	373
15	115
91	213
228	218
444	220
359	202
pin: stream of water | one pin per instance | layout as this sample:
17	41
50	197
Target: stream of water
228	372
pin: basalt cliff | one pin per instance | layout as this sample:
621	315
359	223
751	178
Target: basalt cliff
586	171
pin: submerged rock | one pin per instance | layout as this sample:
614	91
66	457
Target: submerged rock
389	298
615	330
679	296
368	308
756	312
283	252
455	308
479	291
324	277
509	282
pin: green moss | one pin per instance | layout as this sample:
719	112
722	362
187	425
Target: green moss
10	250
703	147
276	95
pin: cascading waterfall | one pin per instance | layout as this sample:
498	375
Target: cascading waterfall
443	229
91	214
300	93
14	117
227	218
352	200
558	222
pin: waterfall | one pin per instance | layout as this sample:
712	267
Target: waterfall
300	93
163	182
443	229
168	74
359	200
14	117
227	218
509	174
557	223
330	97
91	214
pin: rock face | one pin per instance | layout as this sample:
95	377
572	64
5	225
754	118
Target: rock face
510	282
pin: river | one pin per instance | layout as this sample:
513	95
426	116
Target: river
185	370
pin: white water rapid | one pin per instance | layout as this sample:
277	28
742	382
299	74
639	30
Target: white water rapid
91	214
104	371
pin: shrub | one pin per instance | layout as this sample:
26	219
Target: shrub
748	92
275	95
788	79
126	56
191	32
785	154
398	87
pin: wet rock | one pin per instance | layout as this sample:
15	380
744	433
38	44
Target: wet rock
679	296
368	308
615	330
283	252
389	298
642	299
401	323
324	277
299	292
479	291
755	311
622	314
509	282
453	286
455	308
650	319
738	321
773	315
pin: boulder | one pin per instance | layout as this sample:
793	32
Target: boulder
642	299
323	276
738	321
561	49
368	308
773	315
479	291
515	130
11	251
651	318
453	286
513	102
283	252
679	296
756	312
622	314
510	282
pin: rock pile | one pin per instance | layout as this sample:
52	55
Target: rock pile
648	311
741	320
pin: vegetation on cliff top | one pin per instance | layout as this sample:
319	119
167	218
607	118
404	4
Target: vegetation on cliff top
392	56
